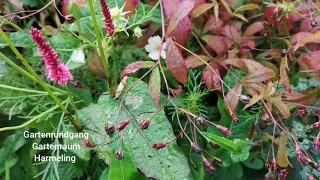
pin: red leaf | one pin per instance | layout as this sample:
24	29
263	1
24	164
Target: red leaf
303	38
183	30
133	67
232	32
312	60
260	75
155	85
175	62
216	43
210	78
193	62
182	11
253	29
232	99
131	6
213	25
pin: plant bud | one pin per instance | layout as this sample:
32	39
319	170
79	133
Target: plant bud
244	99
235	117
144	124
196	148
224	130
315	125
313	23
77	84
88	143
201	120
231	47
208	165
158	146
246	46
119	154
284	52
137	32
123	125
214	145
265	24
110	129
15	18
69	19
265	35
274	165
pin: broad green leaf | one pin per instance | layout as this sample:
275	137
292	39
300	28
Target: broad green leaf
123	169
182	11
254	162
158	164
221	141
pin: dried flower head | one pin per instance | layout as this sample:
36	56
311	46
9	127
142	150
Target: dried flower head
107	17
159	146
224	130
69	19
196	148
144	123
110	129
283	174
88	143
137	32
119	154
56	70
123	125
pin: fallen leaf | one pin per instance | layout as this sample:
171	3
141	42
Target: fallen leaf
175	62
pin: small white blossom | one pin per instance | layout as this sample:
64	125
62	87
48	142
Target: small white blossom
154	48
117	14
137	32
78	56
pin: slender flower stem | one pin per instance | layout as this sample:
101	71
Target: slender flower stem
115	73
72	102
26	74
39	80
33	119
26	90
99	40
11	24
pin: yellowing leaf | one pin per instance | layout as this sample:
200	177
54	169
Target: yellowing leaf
254	100
121	86
232	99
155	86
201	9
282	157
281	106
226	5
240	16
246	7
183	9
312	38
261	75
284	78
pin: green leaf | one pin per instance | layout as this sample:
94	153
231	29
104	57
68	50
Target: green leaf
254	162
158	164
141	15
221	141
123	169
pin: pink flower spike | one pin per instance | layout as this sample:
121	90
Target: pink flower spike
317	143
56	70
107	17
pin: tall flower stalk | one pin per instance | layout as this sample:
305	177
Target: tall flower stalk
107	17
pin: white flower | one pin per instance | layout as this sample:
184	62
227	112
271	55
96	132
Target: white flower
78	56
154	48
137	32
117	14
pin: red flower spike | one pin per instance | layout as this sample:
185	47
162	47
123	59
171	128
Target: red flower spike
159	146
235	117
224	130
144	124
123	125
88	143
208	165
315	125
274	166
107	17
56	70
119	154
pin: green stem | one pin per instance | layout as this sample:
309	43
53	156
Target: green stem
78	21
11	24
99	40
26	74
115	74
39	80
72	102
26	90
33	119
